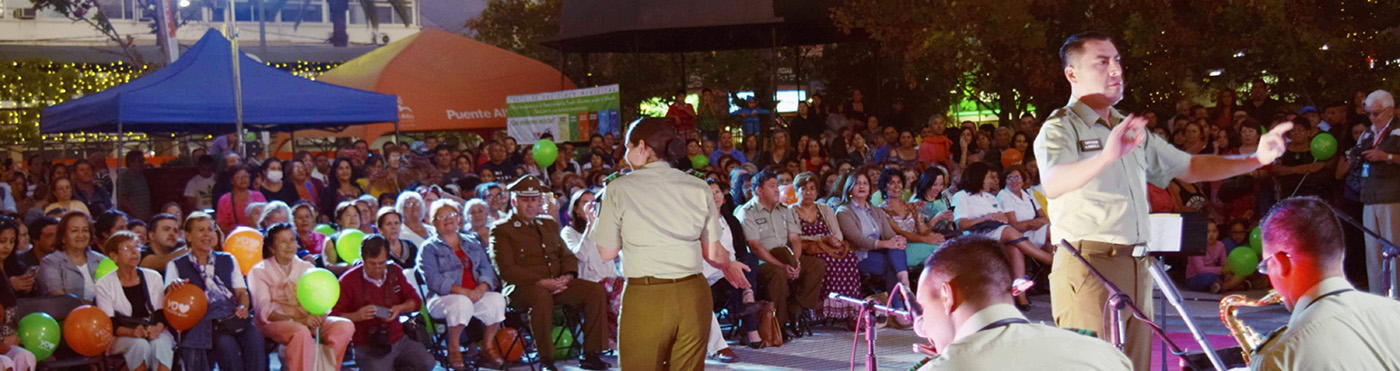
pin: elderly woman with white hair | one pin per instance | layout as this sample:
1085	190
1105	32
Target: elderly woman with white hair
410	206
478	214
461	281
251	214
275	212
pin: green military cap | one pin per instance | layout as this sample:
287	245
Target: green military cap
527	186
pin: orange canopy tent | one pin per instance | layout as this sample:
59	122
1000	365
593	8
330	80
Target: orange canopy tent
444	81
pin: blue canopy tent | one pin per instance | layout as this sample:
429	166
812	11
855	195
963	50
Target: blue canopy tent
195	95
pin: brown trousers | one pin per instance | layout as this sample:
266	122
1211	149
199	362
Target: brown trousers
790	297
586	295
1077	297
664	326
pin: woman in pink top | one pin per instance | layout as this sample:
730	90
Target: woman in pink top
230	209
273	285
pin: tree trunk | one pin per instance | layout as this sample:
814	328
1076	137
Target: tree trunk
338	9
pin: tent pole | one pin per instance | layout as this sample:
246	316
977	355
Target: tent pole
121	142
396	134
237	81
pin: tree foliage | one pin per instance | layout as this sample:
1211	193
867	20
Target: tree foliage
90	13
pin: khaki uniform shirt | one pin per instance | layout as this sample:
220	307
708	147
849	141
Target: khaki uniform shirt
771	227
658	216
1023	346
1113	206
528	249
1352	330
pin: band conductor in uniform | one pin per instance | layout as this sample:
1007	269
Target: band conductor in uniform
1096	164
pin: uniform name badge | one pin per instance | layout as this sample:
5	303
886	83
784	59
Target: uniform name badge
1090	145
761	221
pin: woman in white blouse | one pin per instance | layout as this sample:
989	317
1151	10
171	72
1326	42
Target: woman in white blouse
134	297
977	211
1029	214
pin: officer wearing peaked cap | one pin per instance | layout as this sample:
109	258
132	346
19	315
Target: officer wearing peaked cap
530	255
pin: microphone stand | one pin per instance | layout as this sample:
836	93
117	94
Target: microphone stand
1118	300
1388	252
868	309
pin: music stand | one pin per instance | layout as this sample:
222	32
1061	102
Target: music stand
1118	300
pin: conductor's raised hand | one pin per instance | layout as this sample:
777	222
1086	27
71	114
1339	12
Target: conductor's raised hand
1272	144
1127	135
734	273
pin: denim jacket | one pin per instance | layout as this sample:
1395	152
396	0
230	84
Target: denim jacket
442	270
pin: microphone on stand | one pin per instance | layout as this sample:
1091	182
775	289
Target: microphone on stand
877	307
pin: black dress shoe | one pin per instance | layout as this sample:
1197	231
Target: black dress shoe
593	362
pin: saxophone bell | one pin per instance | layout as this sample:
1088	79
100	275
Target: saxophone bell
1246	336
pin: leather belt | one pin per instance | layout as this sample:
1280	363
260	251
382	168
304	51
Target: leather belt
649	280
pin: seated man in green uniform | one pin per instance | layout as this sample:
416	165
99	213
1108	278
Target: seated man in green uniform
1333	325
530	254
968	316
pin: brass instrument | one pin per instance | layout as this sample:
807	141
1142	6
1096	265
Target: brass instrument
1248	339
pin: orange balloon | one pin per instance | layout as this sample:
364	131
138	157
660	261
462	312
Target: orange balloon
789	194
245	244
508	346
87	330
185	307
1011	156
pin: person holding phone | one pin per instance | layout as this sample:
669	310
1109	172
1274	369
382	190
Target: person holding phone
373	295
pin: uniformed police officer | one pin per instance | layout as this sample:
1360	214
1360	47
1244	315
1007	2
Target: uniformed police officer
968	316
1333	326
672	226
1096	165
530	254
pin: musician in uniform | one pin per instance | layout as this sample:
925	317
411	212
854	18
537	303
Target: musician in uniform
1095	165
672	226
1333	325
530	254
970	318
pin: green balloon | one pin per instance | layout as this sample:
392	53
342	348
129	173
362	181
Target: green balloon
1256	240
347	245
39	334
1324	146
545	152
317	291
699	161
325	229
563	340
105	267
1242	262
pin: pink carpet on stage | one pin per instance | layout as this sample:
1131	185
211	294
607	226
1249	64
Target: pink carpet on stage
1184	340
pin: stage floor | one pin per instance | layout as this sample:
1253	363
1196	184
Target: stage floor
830	348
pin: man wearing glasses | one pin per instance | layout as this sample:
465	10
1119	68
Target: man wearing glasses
530	255
1333	326
1379	176
970	322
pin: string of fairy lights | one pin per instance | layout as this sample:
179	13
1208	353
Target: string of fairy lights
27	87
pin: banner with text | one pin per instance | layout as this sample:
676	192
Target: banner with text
571	115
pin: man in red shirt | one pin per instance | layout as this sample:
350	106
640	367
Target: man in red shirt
935	147
373	295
